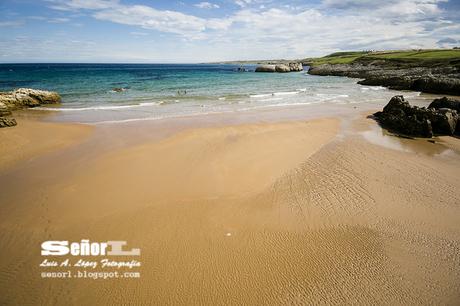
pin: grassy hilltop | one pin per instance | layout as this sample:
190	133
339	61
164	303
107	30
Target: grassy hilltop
428	57
432	57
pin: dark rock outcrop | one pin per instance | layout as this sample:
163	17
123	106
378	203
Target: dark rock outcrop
290	67
445	103
7	122
399	116
436	84
4	110
23	98
432	79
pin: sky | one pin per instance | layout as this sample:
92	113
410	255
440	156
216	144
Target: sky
141	31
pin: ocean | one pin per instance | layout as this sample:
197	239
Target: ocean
110	93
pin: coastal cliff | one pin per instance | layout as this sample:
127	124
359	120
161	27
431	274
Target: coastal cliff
436	71
23	98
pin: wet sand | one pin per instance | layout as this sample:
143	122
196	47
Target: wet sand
32	138
295	212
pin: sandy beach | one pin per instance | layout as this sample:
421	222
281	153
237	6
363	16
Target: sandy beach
313	211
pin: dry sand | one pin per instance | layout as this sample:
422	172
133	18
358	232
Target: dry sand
273	213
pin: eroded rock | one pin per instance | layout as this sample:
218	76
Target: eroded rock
434	79
26	97
282	68
7	122
23	98
266	68
4	110
289	67
445	103
399	116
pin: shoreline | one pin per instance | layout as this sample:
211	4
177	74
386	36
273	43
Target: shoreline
320	109
126	133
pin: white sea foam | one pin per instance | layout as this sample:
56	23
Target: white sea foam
285	93
121	121
261	95
280	93
96	108
375	88
271	99
327	97
159	117
378	88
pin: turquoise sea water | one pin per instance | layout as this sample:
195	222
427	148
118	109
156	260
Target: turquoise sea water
154	91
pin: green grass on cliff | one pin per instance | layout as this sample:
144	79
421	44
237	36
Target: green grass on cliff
421	54
344	59
409	57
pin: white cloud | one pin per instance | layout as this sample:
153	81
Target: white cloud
70	5
243	3
150	18
15	23
394	7
255	31
207	5
139	33
58	20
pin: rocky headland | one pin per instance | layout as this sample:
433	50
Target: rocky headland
440	118
23	98
409	72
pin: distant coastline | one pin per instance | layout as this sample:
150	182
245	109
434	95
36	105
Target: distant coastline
425	70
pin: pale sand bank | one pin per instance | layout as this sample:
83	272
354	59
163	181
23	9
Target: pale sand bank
313	218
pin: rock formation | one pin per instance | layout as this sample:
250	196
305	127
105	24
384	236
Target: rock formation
290	67
4	111
296	66
445	103
282	68
23	98
432	79
399	116
26	97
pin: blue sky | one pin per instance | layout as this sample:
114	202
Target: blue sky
214	30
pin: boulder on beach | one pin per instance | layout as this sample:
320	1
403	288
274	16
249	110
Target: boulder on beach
4	111
7	122
399	116
445	103
23	98
26	97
